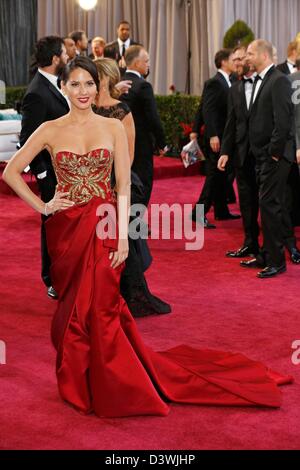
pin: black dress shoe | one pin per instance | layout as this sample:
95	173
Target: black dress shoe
295	255
52	293
228	216
203	221
207	224
271	271
242	252
252	263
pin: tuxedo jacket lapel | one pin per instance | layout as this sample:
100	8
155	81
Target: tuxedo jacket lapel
223	79
58	95
265	80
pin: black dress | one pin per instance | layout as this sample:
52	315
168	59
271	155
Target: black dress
134	288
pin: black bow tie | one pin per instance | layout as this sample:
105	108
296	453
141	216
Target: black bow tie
257	78
248	80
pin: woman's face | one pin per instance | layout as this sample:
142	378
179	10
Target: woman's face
80	89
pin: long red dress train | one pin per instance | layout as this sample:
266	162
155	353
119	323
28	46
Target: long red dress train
102	363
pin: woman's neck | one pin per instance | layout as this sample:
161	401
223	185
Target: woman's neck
105	100
81	116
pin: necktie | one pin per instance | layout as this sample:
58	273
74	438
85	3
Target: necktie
257	79
248	80
123	49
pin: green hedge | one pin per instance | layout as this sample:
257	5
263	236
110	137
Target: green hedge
13	94
173	109
238	35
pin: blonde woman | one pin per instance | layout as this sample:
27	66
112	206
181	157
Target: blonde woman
107	102
134	288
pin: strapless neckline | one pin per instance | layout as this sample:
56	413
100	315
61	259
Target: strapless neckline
83	154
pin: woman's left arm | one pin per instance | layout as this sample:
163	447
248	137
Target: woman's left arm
130	132
122	172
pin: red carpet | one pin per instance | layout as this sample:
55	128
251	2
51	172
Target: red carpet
216	304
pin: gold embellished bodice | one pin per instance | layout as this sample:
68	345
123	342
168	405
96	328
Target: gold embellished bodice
84	176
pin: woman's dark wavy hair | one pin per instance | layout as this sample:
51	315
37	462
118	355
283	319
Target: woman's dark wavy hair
80	62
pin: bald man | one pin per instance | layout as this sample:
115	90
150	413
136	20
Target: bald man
271	141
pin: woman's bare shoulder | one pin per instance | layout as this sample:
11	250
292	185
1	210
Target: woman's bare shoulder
55	124
110	123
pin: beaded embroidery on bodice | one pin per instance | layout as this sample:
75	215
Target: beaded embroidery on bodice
84	176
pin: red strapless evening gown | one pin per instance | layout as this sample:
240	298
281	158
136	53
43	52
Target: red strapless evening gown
102	363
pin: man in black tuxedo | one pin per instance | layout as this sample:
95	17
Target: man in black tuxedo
271	141
149	131
235	148
42	102
214	112
289	66
294	179
116	50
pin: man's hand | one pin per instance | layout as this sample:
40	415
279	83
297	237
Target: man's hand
193	136
222	162
215	144
298	156
124	86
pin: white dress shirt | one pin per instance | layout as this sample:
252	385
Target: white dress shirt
135	72
248	88
53	80
226	76
291	66
262	76
127	44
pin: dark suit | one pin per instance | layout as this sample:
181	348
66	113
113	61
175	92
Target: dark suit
295	81
213	109
284	68
235	144
294	178
293	194
198	121
149	131
271	135
112	51
42	102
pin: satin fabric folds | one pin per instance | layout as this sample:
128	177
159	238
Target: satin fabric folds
103	365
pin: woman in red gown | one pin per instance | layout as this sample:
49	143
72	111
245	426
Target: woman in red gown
103	365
